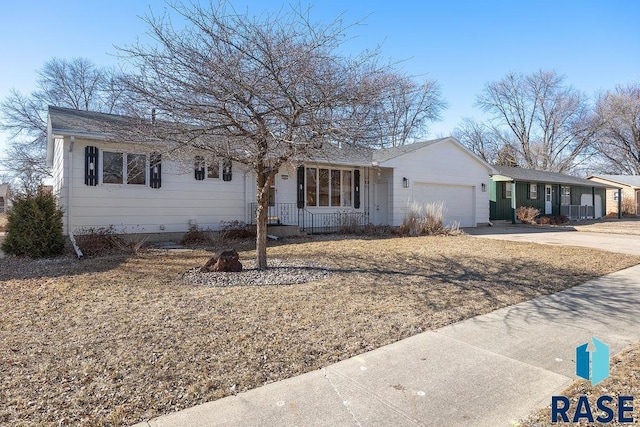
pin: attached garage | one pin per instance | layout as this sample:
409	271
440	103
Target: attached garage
431	171
458	200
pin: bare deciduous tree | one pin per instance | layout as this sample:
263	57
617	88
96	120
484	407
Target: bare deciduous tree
258	90
75	83
618	137
547	122
478	138
407	109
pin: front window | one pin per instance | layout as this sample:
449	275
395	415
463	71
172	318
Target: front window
329	187
323	193
118	168
565	196
112	168
346	188
507	190
213	169
136	168
533	191
616	196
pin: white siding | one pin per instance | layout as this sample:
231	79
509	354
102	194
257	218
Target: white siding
459	201
142	209
441	163
60	176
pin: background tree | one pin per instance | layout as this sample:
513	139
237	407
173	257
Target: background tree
76	83
479	138
507	157
548	123
258	90
618	137
407	109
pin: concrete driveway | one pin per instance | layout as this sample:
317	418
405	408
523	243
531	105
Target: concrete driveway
620	243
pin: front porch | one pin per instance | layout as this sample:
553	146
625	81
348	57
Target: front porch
310	222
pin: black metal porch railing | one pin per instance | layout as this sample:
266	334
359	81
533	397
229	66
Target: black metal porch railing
332	222
311	222
279	214
577	211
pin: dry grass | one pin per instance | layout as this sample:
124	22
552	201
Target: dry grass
612	226
624	380
111	341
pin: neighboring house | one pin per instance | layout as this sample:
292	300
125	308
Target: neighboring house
630	192
5	198
551	193
100	183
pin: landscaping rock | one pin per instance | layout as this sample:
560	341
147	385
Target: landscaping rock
227	262
279	272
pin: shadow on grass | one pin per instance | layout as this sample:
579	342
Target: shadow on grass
15	268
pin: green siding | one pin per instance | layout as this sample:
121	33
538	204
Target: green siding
522	196
500	207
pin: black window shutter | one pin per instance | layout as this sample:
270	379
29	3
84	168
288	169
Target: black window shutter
300	184
91	165
226	170
155	171
198	168
356	189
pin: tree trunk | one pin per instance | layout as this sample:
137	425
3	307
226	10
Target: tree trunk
262	200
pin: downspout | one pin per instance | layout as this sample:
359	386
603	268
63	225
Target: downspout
513	202
79	253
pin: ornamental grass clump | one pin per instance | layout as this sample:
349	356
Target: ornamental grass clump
427	218
527	214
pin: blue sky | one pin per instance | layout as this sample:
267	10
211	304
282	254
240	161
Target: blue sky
460	44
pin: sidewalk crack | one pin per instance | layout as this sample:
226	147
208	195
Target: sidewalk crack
345	402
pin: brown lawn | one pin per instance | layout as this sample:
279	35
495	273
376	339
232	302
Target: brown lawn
624	380
116	340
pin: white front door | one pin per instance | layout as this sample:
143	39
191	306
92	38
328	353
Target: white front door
548	200
382	203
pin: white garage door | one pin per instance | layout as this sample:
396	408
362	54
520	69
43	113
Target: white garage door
458	201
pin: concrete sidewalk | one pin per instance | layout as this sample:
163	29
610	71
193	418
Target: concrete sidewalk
490	370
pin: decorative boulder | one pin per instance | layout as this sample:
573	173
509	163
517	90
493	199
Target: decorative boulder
227	261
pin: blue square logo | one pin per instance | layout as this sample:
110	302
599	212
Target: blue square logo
593	365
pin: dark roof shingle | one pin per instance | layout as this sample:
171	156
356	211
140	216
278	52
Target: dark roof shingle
531	175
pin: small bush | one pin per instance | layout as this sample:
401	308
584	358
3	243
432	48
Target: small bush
100	241
235	230
628	206
197	236
349	223
34	227
426	219
527	214
552	220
